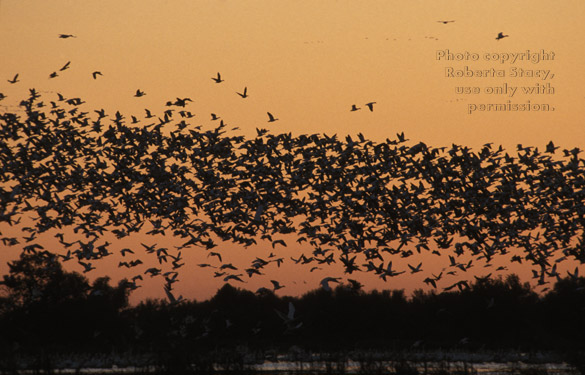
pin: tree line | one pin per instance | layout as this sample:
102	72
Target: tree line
46	309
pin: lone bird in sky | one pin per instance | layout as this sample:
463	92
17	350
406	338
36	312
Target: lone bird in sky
218	79
245	94
501	36
271	118
66	66
371	106
139	93
446	22
65	36
95	74
14	80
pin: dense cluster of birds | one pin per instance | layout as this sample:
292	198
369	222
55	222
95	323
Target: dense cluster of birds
354	201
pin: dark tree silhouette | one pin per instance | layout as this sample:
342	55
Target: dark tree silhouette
39	278
50	309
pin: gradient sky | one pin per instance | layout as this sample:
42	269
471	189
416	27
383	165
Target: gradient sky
307	62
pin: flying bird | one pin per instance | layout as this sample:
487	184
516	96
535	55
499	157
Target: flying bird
446	22
430	281
354	108
276	242
356	285
95	74
371	106
126	250
172	299
182	102
65	36
276	284
14	80
233	277
214	117
218	78
501	36
186	114
415	269
244	95
550	147
53	75
325	282
289	319
87	266
218	255
271	118
66	66
139	93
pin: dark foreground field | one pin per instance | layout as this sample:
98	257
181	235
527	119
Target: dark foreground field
298	361
66	322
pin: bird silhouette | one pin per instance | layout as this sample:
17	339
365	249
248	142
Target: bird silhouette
172	299
66	36
271	118
217	79
276	285
446	22
95	74
244	95
289	319
354	108
14	80
325	282
182	102
218	255
355	285
415	269
233	277
139	93
371	106
66	66
501	36
87	266
550	147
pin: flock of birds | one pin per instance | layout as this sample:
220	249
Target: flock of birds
217	79
353	201
180	102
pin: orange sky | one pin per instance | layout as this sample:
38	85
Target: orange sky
306	62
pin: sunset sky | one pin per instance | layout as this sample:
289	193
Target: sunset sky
307	62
